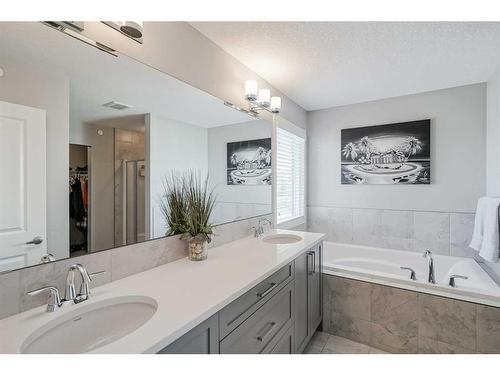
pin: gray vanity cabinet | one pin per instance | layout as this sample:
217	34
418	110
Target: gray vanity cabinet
203	339
308	296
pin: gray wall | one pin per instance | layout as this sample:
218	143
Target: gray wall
40	87
412	217
183	52
493	136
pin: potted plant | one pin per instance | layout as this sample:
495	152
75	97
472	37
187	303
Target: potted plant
172	206
187	205
199	204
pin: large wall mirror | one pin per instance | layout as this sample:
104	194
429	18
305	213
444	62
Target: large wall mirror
86	139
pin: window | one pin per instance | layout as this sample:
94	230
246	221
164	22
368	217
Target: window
290	176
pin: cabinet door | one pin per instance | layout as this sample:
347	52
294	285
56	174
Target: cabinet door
203	339
301	303
285	344
315	291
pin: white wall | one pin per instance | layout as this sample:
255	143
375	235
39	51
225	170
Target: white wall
458	137
170	145
236	201
493	136
40	87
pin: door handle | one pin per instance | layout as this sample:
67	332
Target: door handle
35	241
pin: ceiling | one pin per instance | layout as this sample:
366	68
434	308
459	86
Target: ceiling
326	64
96	77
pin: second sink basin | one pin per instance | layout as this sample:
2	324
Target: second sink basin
91	326
281	239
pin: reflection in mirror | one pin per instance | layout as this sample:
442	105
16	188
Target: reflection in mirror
87	138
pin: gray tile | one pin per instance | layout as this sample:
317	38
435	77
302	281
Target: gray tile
312	349
431	231
430	346
461	228
387	301
394	223
319	339
377	351
394	314
446	320
349	297
366	227
137	258
340	225
328	351
36	277
317	220
488	329
358	330
9	294
342	345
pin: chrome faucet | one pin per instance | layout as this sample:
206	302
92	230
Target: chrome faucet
259	230
85	279
431	277
54	301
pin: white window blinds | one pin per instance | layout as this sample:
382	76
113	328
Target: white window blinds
290	176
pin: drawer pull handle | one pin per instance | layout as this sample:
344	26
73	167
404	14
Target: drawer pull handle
267	330
309	263
267	291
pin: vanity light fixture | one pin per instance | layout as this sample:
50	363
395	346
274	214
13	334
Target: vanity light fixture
261	99
131	29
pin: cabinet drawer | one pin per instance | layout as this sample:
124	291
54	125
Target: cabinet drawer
235	313
253	335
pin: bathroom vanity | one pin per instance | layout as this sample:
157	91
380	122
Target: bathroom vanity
279	315
254	295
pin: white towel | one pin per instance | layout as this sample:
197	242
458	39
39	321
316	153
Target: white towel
485	238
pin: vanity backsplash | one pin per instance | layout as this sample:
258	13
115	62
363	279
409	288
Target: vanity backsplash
118	263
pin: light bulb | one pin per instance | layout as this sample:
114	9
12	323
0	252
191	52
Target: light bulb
251	90
264	97
275	104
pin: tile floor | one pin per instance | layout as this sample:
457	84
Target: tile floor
324	343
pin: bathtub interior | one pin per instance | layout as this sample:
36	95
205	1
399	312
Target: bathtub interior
386	264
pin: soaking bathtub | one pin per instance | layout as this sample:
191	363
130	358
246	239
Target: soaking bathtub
382	266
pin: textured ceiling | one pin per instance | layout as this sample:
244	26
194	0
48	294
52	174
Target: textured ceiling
325	64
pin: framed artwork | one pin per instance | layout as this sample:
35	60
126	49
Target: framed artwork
387	154
249	162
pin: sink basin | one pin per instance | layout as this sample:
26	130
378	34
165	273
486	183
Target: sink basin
91	326
281	239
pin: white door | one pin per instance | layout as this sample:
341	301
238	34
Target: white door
22	185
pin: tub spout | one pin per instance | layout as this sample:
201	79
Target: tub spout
431	278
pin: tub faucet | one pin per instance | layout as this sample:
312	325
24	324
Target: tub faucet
431	278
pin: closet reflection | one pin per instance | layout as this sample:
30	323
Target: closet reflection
79	195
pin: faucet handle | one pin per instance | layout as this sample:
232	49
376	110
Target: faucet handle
54	300
452	280
412	272
427	253
91	275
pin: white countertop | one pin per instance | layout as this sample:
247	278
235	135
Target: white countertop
187	293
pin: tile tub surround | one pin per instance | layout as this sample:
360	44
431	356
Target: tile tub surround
447	233
118	263
402	321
